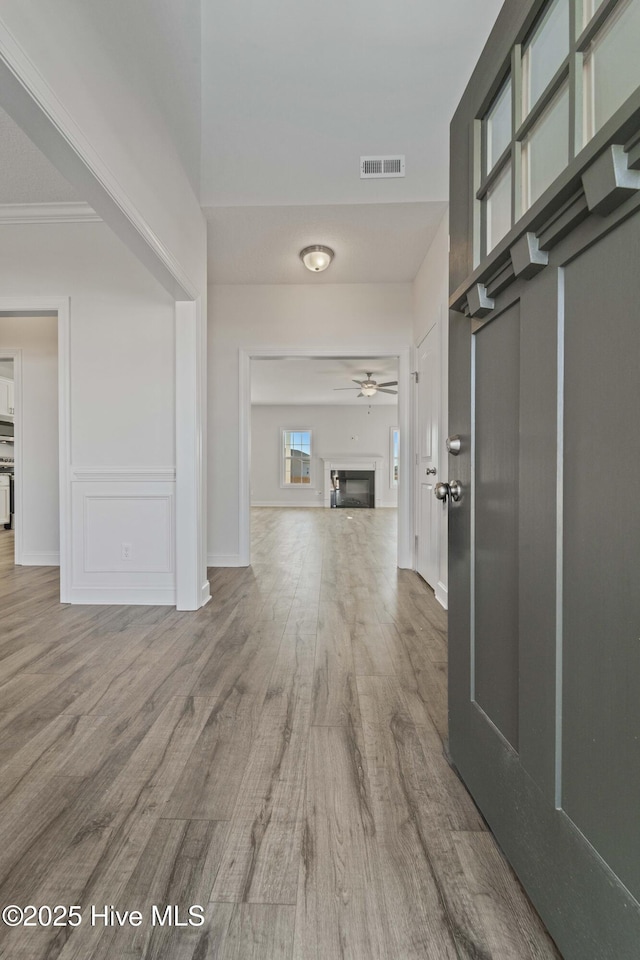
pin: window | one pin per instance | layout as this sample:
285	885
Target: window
611	66
568	75
498	209
545	53
296	458
394	456
498	127
495	194
545	149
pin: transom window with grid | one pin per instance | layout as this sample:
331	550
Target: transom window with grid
296	457
575	67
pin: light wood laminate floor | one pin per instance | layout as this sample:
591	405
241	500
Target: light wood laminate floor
276	757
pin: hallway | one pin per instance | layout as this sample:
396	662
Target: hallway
276	757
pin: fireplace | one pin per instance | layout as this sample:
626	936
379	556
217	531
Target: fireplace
353	481
353	488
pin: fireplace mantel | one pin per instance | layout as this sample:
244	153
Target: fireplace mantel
352	461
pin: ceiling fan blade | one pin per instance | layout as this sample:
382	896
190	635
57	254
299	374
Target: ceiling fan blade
360	395
382	390
359	382
346	388
392	383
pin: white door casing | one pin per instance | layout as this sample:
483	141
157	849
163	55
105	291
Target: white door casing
61	307
7	400
374	348
427	466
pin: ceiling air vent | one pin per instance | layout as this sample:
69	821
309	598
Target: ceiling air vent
375	168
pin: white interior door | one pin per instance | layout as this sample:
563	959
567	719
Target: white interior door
428	415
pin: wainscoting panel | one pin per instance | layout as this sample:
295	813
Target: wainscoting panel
123	535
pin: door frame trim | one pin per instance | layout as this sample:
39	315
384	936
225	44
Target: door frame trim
192	585
382	348
440	588
61	307
15	354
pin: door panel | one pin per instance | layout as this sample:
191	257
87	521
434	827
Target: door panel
497	459
544	545
538	530
601	716
563	797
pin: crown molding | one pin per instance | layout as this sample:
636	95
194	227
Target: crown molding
48	213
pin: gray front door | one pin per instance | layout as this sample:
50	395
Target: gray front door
544	543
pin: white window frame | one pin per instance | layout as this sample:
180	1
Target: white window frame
296	486
393	481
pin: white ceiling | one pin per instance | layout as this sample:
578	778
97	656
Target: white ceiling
293	95
373	243
295	92
312	381
27	175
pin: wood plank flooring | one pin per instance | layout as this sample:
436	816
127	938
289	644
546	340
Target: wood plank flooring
276	758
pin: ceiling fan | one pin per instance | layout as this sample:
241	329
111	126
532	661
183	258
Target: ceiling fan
369	387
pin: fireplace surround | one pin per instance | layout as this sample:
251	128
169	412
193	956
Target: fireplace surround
372	466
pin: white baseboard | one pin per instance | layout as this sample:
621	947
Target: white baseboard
307	504
37	559
135	596
205	594
225	560
442	595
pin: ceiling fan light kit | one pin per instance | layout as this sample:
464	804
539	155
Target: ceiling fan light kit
316	257
369	387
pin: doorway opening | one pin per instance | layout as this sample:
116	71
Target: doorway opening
312	436
7	446
29	468
34	458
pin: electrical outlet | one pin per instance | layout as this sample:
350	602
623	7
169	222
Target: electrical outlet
126	551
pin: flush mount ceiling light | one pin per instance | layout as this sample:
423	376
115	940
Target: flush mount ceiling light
316	258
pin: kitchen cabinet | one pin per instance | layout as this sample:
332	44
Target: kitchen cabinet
7	403
5	507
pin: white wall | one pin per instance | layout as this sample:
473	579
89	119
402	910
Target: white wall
122	363
157	45
431	286
337	430
121	82
37	339
110	93
331	316
431	307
